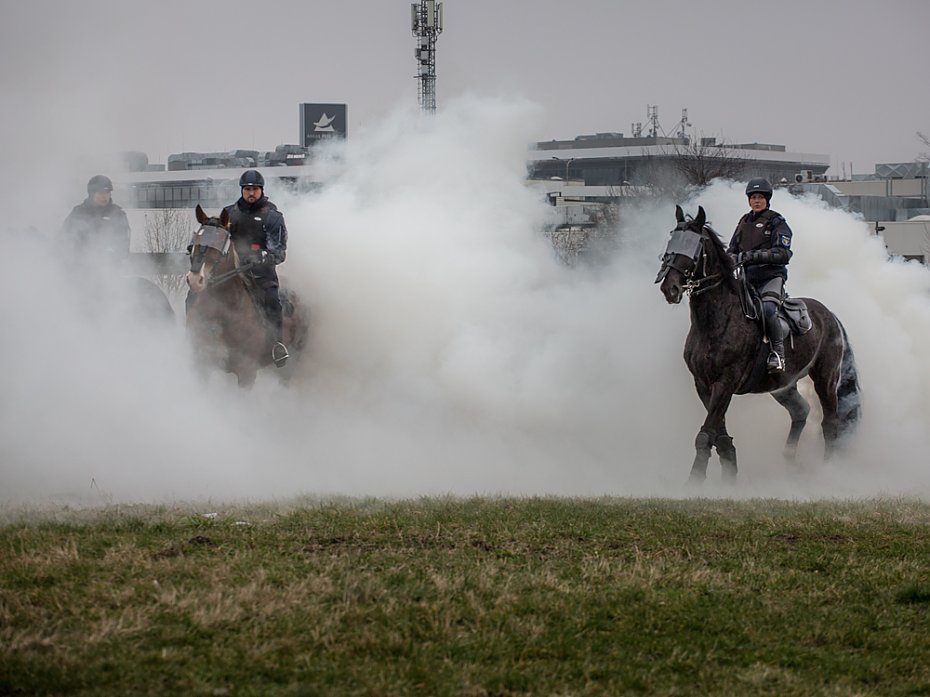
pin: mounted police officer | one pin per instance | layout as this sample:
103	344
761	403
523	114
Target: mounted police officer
97	225
762	245
258	231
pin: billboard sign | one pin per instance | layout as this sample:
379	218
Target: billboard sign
321	121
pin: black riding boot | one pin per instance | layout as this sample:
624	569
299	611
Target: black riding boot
777	330
275	316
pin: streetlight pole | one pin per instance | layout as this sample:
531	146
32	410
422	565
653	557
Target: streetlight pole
568	163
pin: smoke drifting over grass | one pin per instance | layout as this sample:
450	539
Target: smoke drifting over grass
451	352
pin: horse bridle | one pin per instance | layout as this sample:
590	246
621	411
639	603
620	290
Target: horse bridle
685	243
218	238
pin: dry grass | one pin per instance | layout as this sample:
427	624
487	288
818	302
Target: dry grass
468	597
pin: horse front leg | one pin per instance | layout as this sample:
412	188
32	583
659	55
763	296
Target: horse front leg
703	441
726	451
702	444
713	433
244	368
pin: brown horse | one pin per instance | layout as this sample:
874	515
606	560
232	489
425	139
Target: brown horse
224	316
723	353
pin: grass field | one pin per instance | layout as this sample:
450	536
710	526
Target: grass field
475	597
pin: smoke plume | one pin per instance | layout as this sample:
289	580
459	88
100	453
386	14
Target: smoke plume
451	351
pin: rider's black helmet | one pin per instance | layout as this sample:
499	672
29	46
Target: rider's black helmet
99	183
759	186
252	177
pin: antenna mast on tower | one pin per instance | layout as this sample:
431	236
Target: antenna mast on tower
683	124
652	115
426	23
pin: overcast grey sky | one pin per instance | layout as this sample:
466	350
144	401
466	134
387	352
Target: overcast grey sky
832	77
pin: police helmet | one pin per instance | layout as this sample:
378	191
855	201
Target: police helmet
99	183
759	186
252	177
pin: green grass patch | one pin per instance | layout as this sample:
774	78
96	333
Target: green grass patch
474	597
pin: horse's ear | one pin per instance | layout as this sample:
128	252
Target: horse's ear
679	214
224	218
701	218
201	216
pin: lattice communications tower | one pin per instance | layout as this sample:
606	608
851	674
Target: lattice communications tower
426	23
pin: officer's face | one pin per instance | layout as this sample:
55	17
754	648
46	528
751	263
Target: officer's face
101	198
757	202
251	193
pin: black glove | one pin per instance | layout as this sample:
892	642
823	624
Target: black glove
746	258
263	258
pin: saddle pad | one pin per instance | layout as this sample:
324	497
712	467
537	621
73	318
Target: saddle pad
795	312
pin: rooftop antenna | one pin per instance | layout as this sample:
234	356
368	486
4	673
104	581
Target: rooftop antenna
426	24
652	115
683	124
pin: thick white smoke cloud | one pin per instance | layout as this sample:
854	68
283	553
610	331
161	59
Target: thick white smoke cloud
451	352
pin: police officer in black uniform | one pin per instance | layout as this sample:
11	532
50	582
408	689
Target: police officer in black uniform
257	229
762	244
97	225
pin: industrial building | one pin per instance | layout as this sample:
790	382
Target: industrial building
611	159
211	188
894	200
579	176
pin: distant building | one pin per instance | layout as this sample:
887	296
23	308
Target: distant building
894	200
611	159
200	183
281	156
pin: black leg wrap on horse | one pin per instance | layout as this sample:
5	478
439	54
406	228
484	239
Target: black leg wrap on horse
702	446
727	452
724	445
703	441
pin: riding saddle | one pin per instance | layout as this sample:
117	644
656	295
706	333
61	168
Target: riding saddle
792	310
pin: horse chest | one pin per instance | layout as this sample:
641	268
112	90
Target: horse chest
712	360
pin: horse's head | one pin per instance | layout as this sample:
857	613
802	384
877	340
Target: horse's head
694	254
209	248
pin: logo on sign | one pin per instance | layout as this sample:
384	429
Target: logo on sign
325	124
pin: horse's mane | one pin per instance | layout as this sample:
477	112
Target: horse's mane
720	252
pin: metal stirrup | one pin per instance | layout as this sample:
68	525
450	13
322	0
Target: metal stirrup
279	353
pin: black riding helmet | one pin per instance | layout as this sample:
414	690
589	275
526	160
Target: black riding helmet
759	186
99	183
252	177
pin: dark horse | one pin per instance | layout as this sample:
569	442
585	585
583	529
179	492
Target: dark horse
725	355
224	317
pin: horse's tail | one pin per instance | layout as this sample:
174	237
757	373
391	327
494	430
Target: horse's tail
848	394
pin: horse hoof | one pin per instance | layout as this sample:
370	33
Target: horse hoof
696	479
790	453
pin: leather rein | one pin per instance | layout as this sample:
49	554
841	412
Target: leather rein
214	281
695	286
